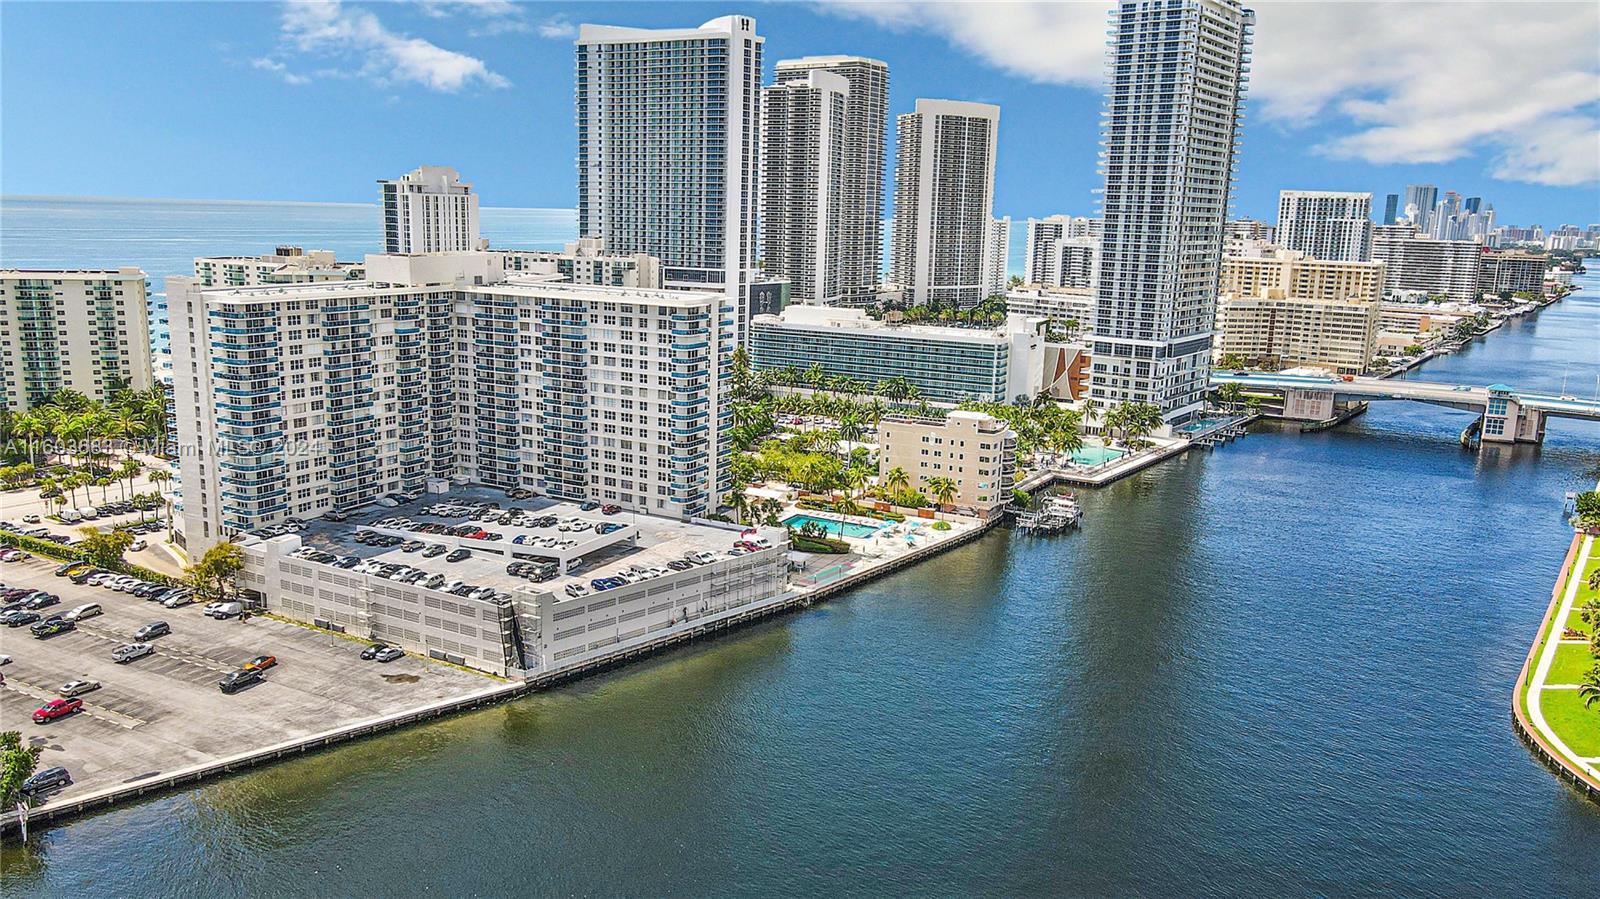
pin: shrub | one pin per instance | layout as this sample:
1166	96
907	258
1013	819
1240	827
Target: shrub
941	525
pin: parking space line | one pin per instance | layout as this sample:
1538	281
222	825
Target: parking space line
93	710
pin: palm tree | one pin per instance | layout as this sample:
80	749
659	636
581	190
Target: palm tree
895	480
943	490
127	471
1594	580
1589	690
739	502
159	476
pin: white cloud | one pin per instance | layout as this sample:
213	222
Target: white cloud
279	69
493	16
557	27
1393	82
328	29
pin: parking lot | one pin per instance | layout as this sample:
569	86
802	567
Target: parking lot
164	712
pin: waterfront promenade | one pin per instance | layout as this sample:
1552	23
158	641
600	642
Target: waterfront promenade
1548	711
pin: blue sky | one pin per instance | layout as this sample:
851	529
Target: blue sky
315	101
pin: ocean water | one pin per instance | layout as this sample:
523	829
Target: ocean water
1282	667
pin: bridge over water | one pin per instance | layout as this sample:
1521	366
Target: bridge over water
1506	415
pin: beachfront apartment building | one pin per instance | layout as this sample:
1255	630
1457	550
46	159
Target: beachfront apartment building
1176	74
943	202
802	185
293	400
945	364
585	261
857	250
81	329
669	149
1326	224
1513	270
975	450
429	210
1417	264
284	265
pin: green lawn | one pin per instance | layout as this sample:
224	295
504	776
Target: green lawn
1575	622
1572	660
1577	726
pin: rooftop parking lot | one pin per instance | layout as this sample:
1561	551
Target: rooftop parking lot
419	537
164	711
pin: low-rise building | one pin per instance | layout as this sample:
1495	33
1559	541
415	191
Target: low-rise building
472	612
946	364
82	329
585	261
284	265
977	452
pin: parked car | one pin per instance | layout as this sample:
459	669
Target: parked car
78	687
589	506
261	663
30	518
371	652
458	555
178	601
41	600
18	617
127	653
13	555
56	708
389	654
51	626
66	568
44	781
137	544
152	630
335	515
87	610
234	681
610	509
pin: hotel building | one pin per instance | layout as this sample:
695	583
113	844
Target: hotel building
293	400
947	365
1176	78
429	210
858	248
944	201
81	329
669	149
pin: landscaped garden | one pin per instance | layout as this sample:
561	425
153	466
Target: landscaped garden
1574	714
79	452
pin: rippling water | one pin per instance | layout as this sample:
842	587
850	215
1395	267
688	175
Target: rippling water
1281	667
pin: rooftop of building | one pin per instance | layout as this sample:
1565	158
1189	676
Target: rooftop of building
642	540
74	273
853	319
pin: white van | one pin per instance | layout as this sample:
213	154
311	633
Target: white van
87	610
70	516
225	610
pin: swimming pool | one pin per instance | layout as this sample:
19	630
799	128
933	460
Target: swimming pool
1091	454
833	528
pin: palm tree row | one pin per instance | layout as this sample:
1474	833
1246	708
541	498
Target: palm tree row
66	421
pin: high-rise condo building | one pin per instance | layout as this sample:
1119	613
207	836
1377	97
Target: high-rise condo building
1391	208
1419	200
669	148
1415	263
429	210
305	398
84	330
1062	251
943	201
858	249
1326	224
1176	72
802	184
996	254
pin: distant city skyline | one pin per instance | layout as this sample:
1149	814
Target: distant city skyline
331	96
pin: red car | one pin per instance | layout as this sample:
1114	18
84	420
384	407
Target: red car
610	509
56	708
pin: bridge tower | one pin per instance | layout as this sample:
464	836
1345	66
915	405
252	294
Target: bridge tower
1507	420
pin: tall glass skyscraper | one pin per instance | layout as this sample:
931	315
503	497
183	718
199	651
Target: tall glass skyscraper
1176	72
